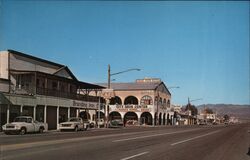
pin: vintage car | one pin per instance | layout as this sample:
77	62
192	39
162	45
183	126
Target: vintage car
74	123
24	124
116	123
101	123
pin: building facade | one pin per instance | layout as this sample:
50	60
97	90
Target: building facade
144	102
47	91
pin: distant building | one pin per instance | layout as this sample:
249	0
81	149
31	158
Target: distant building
143	102
45	90
207	116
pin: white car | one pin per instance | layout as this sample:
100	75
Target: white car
24	124
75	124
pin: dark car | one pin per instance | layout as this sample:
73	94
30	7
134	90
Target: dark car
116	123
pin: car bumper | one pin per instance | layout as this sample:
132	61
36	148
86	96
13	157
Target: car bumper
67	128
11	131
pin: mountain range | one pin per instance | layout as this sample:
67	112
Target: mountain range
241	112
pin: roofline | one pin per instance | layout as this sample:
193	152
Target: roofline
93	86
35	58
164	86
68	70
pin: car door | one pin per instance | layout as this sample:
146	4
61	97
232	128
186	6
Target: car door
29	125
81	124
36	126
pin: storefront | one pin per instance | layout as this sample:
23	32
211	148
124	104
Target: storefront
144	102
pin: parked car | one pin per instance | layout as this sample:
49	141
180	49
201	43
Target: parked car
116	123
74	123
24	124
91	124
101	123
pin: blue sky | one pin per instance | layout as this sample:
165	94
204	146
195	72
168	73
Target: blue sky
203	47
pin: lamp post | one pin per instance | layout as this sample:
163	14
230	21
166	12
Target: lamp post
173	119
174	87
108	99
189	103
128	70
193	100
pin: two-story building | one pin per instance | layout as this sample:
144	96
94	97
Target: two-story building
45	90
143	102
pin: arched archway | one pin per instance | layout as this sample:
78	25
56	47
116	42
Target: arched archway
164	119
160	119
130	118
84	115
168	104
146	100
114	115
164	102
115	100
131	100
102	115
146	118
168	121
160	101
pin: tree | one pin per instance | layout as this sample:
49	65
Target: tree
226	117
209	111
192	108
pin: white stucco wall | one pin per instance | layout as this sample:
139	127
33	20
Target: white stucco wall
4	64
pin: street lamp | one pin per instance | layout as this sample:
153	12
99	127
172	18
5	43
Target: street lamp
108	99
173	87
109	74
193	100
189	105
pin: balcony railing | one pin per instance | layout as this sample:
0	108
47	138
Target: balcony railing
69	95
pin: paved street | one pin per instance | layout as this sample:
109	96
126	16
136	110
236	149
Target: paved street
169	143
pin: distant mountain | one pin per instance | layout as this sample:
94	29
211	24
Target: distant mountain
240	111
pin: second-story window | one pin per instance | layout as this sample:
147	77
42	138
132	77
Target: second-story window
146	100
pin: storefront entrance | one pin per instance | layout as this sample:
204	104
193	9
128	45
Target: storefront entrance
130	118
146	118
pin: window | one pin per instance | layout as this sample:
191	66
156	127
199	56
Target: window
146	100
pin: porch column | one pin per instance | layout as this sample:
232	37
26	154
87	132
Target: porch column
77	112
68	112
45	114
8	113
34	113
57	117
21	110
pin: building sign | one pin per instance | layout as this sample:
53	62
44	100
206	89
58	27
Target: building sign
85	105
131	108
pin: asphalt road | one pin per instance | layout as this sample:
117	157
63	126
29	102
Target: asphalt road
145	143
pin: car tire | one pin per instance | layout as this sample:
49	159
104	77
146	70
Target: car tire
86	128
76	128
22	131
7	133
41	129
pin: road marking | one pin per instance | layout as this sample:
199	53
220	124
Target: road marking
183	141
8	147
154	135
130	157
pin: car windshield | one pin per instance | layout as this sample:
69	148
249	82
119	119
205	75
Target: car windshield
20	119
73	120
